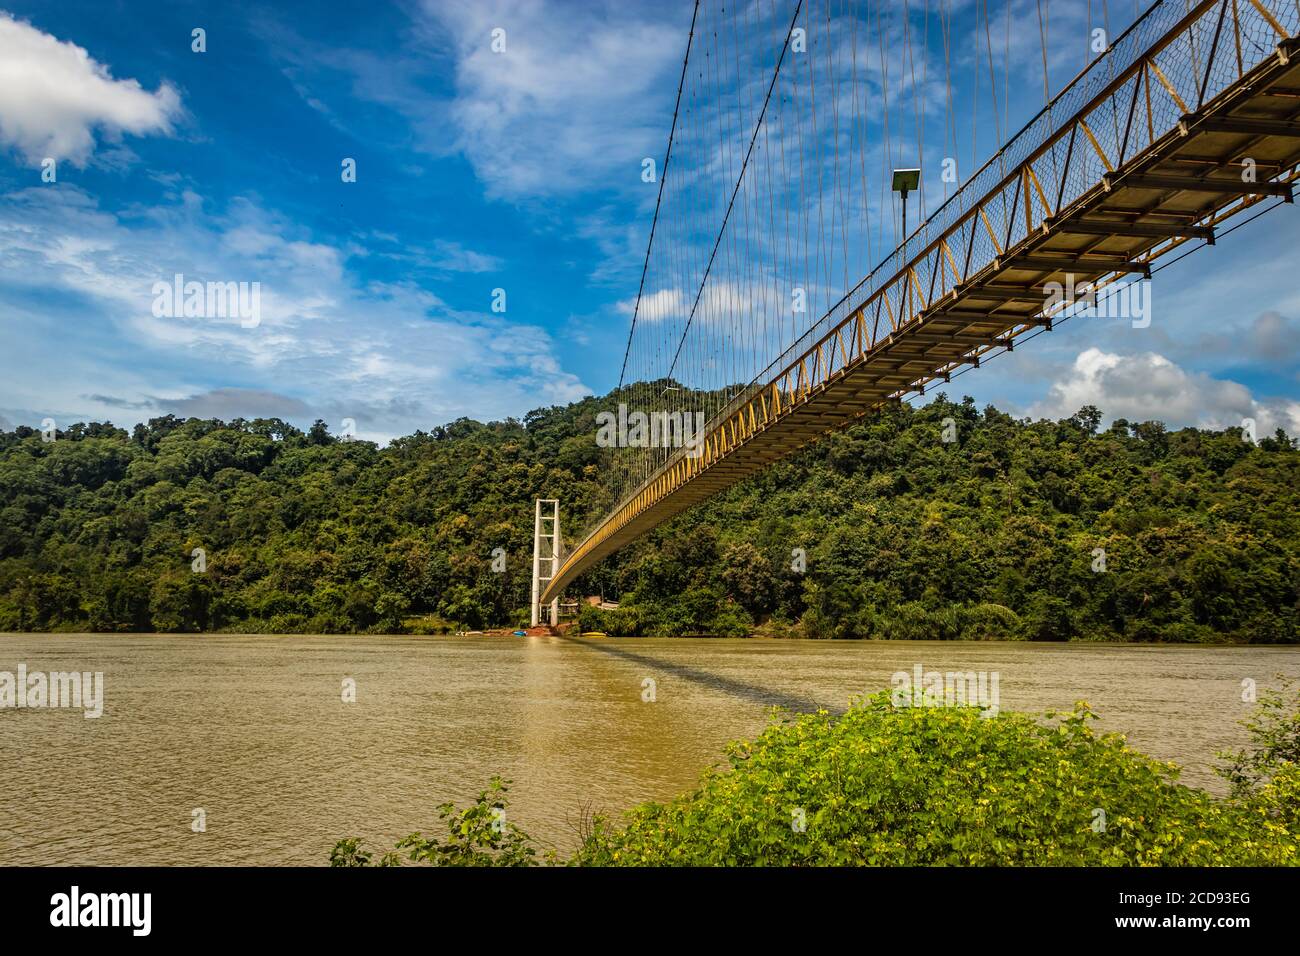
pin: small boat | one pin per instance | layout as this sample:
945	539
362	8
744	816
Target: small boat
520	633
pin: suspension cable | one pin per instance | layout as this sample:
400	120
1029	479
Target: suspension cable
745	165
663	174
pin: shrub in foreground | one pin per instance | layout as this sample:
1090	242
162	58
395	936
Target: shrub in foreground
886	785
946	786
476	836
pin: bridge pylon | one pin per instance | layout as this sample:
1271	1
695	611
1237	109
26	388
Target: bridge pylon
546	556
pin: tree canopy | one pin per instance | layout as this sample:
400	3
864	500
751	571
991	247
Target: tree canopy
1012	529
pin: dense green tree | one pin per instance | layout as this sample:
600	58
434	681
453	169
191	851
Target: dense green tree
942	521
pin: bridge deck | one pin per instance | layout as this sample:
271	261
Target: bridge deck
931	319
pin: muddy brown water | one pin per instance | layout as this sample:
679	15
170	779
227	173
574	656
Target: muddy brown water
253	730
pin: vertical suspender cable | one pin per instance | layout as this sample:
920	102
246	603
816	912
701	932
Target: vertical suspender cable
663	174
785	46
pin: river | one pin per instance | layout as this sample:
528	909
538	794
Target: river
254	732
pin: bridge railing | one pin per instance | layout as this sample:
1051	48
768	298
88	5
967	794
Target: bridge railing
1178	37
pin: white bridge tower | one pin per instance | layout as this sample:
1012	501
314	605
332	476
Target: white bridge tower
546	555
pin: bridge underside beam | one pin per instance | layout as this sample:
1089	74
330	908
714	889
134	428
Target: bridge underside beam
1136	230
1096	265
1233	186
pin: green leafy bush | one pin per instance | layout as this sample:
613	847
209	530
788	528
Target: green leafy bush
1275	745
946	786
615	621
479	835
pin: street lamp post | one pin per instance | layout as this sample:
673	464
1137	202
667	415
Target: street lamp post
905	181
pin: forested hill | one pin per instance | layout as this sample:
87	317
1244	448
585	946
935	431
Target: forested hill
1041	531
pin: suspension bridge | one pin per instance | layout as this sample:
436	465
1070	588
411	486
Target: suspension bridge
782	295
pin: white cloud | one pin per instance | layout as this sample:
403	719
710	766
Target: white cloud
571	99
1148	386
720	302
454	257
54	96
656	306
393	357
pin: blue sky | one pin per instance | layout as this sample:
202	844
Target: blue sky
476	171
